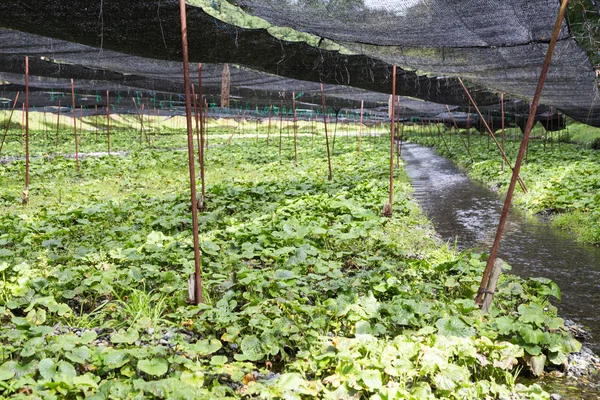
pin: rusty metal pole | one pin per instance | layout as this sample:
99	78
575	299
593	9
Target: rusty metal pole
458	133
26	191
190	143
269	125
502	111
326	135
96	121
490	133
530	121
387	209
108	120
295	129
75	125
9	119
201	145
280	126
57	123
360	128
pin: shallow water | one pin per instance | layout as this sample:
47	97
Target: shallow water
467	213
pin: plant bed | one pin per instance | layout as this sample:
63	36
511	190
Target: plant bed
308	291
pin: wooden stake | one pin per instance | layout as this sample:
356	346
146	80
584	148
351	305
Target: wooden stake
491	286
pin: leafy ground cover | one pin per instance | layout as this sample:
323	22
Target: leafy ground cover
309	291
562	179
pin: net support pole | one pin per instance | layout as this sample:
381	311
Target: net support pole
202	203
360	128
387	208
108	121
9	120
269	125
529	125
26	190
190	144
57	124
326	135
491	134
295	129
502	111
280	126
458	133
75	125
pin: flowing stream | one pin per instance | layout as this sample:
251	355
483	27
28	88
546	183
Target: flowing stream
467	213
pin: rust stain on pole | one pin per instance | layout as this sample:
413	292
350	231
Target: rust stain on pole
75	125
487	127
530	121
326	135
190	142
26	191
9	119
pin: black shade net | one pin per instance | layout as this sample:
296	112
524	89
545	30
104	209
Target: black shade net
133	49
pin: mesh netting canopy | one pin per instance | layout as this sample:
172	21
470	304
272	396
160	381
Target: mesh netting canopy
284	46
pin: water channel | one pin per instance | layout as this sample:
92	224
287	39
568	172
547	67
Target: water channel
468	213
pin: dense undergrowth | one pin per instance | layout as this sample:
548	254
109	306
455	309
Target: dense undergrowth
561	178
309	291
